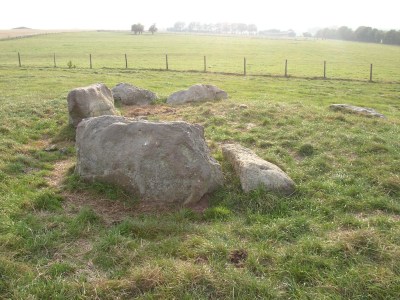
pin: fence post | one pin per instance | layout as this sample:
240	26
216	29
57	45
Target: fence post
244	66
324	69
286	68
54	59
19	59
126	62
205	64
90	59
166	62
370	73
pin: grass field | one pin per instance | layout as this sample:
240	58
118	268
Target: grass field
224	54
338	237
28	32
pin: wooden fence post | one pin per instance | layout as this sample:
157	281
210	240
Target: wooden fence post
166	62
286	68
244	67
90	59
54	59
19	59
370	73
324	69
205	64
126	62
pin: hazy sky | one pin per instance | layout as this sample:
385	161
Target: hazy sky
120	14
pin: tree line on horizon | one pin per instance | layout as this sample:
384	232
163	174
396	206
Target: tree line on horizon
139	28
361	34
232	28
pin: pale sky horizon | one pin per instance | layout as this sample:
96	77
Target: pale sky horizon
121	14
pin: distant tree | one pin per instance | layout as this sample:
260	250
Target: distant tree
378	35
307	34
252	28
153	28
392	37
141	28
364	34
327	33
234	28
137	28
361	34
218	27
226	27
241	27
179	26
291	33
345	33
194	26
191	26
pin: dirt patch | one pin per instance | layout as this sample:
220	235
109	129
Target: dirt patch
60	171
238	257
135	111
115	211
200	206
111	211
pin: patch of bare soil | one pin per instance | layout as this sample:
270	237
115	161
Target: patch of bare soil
111	211
200	206
60	171
238	257
134	111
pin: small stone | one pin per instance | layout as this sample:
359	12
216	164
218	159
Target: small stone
132	95
63	151
51	148
243	106
250	126
254	172
197	93
90	101
356	109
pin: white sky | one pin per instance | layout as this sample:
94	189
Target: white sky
120	14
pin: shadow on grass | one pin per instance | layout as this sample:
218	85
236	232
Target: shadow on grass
65	134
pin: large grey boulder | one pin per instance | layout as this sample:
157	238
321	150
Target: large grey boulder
132	95
197	93
254	172
157	161
356	109
90	101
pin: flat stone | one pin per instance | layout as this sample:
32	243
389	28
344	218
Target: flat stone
132	95
197	93
356	109
254	172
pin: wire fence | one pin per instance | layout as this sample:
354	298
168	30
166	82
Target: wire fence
246	66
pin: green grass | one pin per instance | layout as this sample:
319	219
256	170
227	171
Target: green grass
224	54
336	238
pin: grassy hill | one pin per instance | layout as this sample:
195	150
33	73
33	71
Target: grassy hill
337	237
224	54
